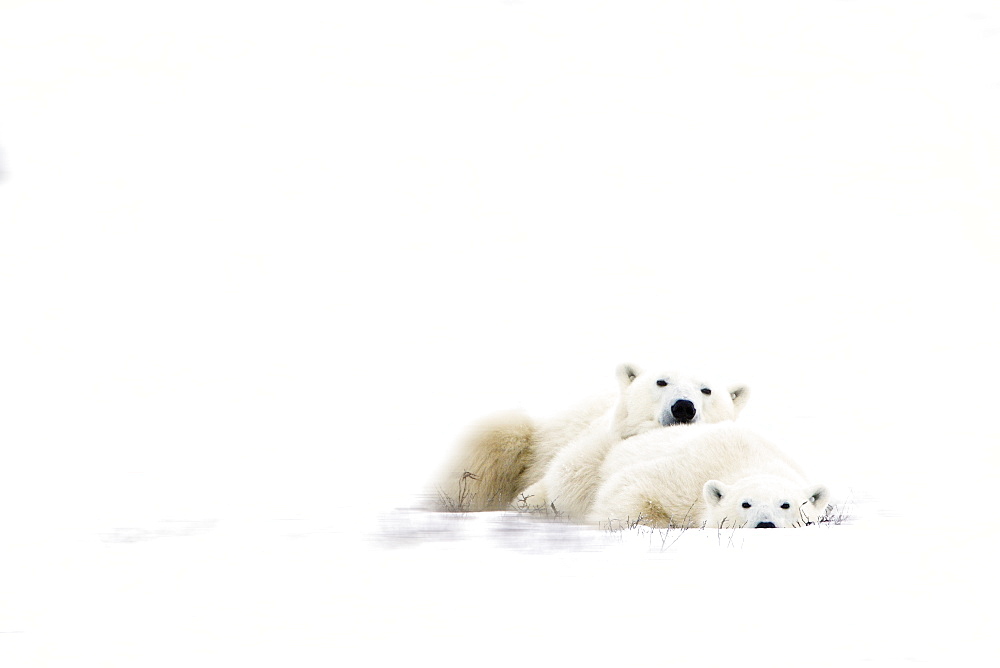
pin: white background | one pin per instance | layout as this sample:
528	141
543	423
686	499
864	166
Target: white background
264	262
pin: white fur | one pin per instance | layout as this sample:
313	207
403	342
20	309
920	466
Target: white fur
505	458
647	400
703	475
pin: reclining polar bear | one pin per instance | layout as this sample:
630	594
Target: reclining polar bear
719	476
514	457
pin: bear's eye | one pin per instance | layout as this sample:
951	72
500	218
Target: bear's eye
786	506
746	504
705	390
661	383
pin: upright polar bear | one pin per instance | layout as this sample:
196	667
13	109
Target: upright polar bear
705	475
506	458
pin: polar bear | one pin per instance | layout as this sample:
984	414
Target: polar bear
647	400
720	475
505	458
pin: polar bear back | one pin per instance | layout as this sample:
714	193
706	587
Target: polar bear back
658	477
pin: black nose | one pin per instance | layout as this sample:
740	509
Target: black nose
766	525
683	410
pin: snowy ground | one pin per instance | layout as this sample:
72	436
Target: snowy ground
261	265
492	590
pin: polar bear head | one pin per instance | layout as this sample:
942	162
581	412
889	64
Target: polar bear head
762	502
663	398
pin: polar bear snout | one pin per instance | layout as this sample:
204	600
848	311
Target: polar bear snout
683	410
765	525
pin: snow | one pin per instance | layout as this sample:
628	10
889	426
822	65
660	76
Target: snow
260	267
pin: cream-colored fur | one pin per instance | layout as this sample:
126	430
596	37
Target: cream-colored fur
507	453
571	479
505	458
720	475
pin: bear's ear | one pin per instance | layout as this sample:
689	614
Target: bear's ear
713	491
626	374
740	394
818	496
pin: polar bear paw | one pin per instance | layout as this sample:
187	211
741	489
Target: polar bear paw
534	499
